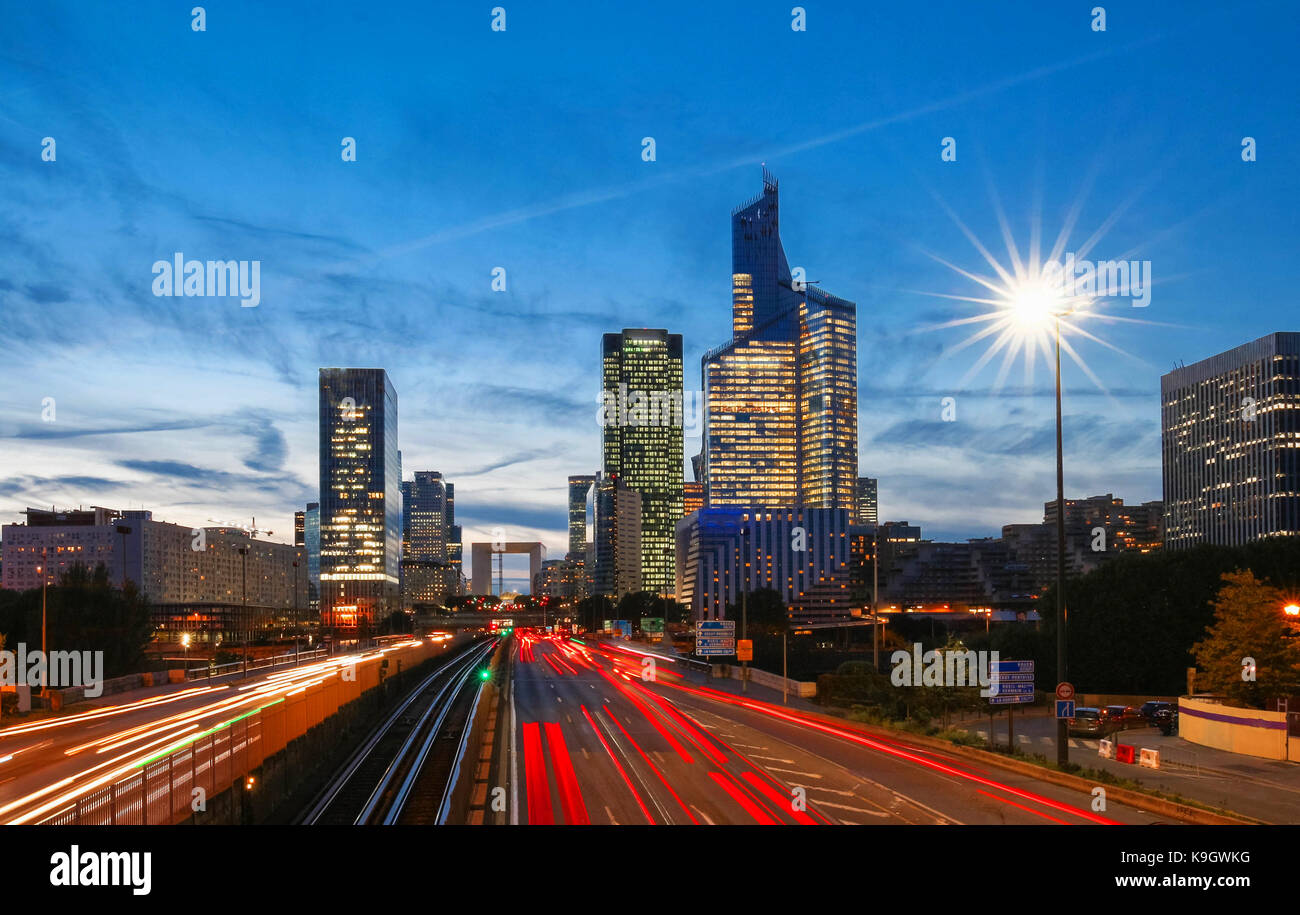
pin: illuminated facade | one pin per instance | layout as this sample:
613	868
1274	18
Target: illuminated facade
1230	437
618	544
579	488
781	403
867	501
642	439
360	497
427	574
692	497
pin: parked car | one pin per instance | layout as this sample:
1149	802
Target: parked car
1089	722
1166	719
1151	708
1123	717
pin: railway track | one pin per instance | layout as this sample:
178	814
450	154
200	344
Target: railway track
408	758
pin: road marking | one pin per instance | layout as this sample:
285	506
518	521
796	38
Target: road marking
514	764
874	813
792	772
703	816
771	758
609	813
831	790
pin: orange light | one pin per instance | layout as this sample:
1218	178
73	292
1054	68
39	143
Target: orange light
1292	609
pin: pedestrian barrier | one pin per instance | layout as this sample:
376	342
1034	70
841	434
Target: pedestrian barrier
1125	753
1105	749
1150	758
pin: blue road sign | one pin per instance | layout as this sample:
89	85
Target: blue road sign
1021	689
1013	699
1015	677
1010	667
1064	708
705	625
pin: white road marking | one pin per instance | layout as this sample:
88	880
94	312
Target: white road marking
771	758
874	813
793	772
703	816
608	812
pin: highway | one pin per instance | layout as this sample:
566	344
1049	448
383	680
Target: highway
592	742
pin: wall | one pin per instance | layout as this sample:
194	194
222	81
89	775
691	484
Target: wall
1238	730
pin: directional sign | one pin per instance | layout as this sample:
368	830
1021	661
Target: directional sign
1064	708
1010	667
1064	691
1015	677
1006	689
715	625
715	638
1013	699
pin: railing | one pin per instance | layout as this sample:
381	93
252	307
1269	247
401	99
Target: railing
280	660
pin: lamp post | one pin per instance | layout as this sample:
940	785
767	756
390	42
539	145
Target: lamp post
1062	724
185	643
295	613
44	654
744	607
243	614
875	598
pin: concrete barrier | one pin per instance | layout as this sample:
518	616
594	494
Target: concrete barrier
1149	758
763	678
1250	732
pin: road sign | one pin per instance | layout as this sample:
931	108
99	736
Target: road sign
1011	699
1014	677
1064	708
725	626
745	650
1012	667
1007	689
652	624
1064	691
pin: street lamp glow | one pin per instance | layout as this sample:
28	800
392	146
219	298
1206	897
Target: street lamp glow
1291	609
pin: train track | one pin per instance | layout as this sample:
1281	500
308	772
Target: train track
388	772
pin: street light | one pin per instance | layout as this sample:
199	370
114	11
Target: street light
295	613
44	654
243	615
744	607
1291	609
185	643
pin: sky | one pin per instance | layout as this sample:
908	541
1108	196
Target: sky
523	149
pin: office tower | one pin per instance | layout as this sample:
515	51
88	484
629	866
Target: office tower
579	487
1229	431
360	497
618	545
722	552
781	413
299	528
311	542
867	500
427	574
642	439
692	497
455	544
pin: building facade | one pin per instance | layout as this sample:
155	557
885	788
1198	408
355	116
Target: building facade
428	576
642	439
1230	445
618	543
579	488
360	497
867	504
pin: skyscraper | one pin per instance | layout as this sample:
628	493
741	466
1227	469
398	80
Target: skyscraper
311	542
455	543
427	574
642	439
781	414
1230	425
619	547
360	497
579	487
867	506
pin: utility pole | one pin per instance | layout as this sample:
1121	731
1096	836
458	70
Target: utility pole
744	607
1062	725
875	598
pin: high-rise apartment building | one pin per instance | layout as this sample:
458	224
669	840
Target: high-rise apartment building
781	403
360	497
867	504
1230	444
642	439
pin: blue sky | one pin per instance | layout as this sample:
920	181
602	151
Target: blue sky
522	149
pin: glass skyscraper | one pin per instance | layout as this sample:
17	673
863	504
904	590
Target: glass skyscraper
360	497
867	501
579	487
781	414
642	439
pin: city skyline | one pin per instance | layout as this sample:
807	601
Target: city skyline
199	408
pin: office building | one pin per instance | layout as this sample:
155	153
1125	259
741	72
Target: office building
311	543
618	544
781	408
642	439
428	576
579	488
1230	445
801	553
692	497
867	512
360	498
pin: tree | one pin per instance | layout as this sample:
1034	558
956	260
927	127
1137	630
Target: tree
1249	624
594	610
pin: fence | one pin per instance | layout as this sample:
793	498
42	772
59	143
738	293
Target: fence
161	791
